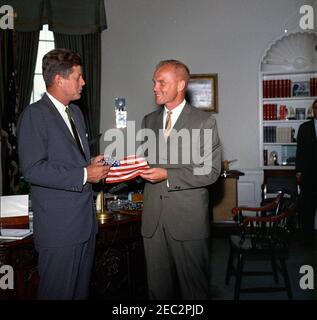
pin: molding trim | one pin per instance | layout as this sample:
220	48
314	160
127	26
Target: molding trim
292	53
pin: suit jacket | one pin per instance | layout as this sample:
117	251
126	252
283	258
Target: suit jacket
306	155
51	161
184	205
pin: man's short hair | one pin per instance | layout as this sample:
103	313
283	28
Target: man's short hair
59	61
178	65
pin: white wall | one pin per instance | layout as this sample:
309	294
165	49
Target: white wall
228	37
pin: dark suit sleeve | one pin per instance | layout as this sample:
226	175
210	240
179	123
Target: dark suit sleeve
300	150
203	172
37	168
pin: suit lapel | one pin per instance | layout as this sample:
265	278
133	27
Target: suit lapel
183	119
158	125
59	120
62	125
80	130
314	131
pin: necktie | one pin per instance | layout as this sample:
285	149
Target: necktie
75	133
168	123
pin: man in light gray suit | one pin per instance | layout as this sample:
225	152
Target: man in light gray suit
55	158
175	220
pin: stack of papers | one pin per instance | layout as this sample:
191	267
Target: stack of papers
15	234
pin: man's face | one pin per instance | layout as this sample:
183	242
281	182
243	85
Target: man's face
73	84
315	110
165	86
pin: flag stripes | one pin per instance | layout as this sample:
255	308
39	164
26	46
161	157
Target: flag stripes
129	168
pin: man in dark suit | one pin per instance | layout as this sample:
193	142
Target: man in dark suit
55	159
306	173
175	219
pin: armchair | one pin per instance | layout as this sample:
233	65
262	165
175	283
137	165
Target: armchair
264	236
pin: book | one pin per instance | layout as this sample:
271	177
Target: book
15	234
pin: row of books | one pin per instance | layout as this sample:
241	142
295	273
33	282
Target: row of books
272	111
285	88
277	88
272	134
313	87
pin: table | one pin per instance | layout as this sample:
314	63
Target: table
119	266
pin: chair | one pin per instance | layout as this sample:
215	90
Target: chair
275	184
261	237
287	184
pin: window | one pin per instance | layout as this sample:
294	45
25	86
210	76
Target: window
46	44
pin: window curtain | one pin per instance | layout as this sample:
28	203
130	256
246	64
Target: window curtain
8	108
77	25
18	57
26	50
89	48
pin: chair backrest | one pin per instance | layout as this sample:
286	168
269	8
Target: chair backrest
269	231
273	185
273	207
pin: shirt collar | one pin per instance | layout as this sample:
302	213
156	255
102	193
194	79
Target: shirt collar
177	110
57	104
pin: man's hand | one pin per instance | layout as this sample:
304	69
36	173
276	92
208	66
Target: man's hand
96	172
154	175
98	160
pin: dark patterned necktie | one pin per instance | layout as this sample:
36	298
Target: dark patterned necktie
74	130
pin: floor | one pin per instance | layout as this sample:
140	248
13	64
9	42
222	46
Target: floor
299	256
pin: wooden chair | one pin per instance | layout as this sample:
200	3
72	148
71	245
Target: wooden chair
263	236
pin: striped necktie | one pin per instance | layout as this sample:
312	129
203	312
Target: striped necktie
168	124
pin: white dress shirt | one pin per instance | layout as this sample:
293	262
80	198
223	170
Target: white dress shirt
175	113
61	109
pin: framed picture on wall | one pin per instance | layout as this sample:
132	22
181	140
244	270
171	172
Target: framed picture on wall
202	91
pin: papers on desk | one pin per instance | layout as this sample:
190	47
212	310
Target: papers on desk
15	234
14	206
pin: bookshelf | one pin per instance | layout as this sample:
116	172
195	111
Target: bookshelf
285	103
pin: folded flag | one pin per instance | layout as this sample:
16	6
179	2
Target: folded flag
126	169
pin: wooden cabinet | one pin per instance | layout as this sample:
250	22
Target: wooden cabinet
224	196
22	256
119	268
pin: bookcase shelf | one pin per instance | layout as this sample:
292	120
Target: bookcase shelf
282	116
285	103
287	89
293	99
287	121
278	167
279	143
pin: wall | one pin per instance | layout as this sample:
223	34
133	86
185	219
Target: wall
228	37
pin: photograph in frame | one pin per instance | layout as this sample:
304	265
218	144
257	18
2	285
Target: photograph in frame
202	91
300	89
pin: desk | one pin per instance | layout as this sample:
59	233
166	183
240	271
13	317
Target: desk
119	269
21	255
119	266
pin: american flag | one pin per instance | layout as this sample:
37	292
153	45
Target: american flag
126	169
